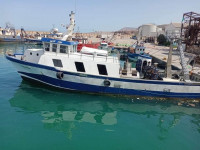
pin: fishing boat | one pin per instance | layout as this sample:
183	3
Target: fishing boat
58	64
105	46
136	53
9	35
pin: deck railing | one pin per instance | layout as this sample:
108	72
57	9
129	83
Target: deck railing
95	57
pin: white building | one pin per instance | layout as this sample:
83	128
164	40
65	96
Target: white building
149	30
173	29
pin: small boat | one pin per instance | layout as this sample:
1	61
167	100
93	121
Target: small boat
58	64
105	46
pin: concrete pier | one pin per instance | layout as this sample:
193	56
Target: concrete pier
160	54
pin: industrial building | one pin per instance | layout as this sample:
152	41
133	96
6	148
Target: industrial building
146	31
173	30
152	31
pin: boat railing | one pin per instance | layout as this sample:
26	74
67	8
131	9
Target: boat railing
95	57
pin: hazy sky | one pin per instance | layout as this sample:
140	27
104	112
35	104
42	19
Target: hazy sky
93	15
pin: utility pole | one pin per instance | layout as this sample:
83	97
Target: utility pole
169	61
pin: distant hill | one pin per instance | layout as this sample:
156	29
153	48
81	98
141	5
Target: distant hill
128	29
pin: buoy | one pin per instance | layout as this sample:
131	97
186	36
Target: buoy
60	75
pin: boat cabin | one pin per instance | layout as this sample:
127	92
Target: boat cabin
103	46
139	49
58	46
63	55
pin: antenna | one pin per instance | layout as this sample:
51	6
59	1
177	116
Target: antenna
75	6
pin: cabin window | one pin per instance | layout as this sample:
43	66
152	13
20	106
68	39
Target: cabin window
80	67
63	49
57	63
46	46
102	69
74	48
54	48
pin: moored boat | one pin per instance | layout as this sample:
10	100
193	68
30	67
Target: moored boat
9	35
58	64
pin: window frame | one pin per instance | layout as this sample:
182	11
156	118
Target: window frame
66	49
56	64
54	47
105	72
45	47
79	66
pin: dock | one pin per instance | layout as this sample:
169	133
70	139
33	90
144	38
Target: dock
160	55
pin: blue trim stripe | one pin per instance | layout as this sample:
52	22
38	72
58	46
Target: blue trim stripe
103	77
133	55
106	90
59	41
10	40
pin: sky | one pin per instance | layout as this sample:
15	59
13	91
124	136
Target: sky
93	15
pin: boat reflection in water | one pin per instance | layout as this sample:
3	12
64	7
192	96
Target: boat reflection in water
65	111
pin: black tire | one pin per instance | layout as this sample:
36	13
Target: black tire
60	75
106	83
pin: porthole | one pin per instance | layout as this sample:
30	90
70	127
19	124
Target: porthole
30	53
37	54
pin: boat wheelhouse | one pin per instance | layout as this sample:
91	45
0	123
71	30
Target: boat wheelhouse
63	56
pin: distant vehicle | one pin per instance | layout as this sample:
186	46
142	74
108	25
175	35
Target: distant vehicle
134	37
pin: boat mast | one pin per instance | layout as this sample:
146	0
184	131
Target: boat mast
70	28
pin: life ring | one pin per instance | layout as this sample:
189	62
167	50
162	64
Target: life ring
106	82
60	75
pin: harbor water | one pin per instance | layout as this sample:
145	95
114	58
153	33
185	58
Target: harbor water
33	116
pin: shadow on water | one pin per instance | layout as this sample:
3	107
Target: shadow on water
61	110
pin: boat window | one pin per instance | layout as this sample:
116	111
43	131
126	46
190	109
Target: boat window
102	69
80	67
74	48
57	63
63	49
46	46
54	48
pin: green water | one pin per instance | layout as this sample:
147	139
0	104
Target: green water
34	117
